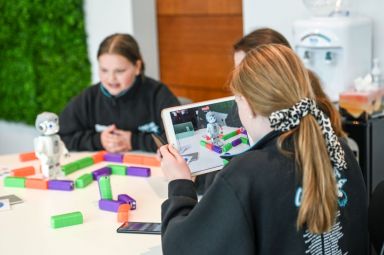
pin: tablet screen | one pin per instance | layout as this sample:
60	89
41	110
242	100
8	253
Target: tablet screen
204	131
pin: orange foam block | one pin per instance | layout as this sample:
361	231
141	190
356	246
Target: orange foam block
23	171
122	212
35	183
99	157
151	161
133	159
27	156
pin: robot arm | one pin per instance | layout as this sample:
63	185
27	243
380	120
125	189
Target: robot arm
40	149
64	149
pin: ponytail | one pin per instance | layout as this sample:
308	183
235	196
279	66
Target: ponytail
319	198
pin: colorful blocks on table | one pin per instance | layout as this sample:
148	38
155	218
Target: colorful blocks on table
227	147
133	159
23	171
118	169
216	149
69	168
84	162
35	183
109	205
67	219
105	187
236	142
64	185
100	172
123	212
151	161
15	182
127	200
113	157
99	157
28	156
244	140
84	180
209	146
138	171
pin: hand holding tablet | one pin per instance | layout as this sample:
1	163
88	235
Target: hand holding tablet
204	131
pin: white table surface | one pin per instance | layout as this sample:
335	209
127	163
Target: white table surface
26	229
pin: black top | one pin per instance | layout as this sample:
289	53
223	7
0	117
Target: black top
252	207
138	110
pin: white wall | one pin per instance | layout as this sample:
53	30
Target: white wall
280	16
16	137
136	17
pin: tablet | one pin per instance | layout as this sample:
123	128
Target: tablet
204	131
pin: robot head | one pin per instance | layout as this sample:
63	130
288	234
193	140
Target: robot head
211	117
47	123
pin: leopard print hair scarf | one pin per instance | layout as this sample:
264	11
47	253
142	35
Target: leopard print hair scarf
287	119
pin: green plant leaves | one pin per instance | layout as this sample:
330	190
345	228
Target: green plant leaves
43	56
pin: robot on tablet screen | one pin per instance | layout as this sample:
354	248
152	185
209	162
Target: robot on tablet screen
48	146
213	129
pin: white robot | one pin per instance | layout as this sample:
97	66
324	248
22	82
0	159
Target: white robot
213	129
48	146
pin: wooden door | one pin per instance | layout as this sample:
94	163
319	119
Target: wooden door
195	45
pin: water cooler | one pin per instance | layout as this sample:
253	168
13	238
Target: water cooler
338	49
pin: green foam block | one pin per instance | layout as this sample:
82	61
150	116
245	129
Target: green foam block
83	181
16	182
118	169
67	219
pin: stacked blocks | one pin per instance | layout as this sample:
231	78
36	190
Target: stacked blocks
123	213
127	200
109	205
65	220
228	146
100	172
122	205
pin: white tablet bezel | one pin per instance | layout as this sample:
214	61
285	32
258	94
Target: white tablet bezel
169	129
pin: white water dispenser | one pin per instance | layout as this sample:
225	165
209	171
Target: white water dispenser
337	48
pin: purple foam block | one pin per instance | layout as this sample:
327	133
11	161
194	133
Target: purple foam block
127	200
138	171
60	185
102	171
114	157
109	205
236	142
243	131
217	149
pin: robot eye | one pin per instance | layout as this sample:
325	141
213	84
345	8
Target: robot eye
50	125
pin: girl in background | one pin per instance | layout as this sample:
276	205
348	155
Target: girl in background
118	113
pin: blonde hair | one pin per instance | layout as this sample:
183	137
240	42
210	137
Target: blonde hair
271	77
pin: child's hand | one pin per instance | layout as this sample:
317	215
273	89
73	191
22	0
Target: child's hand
173	164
